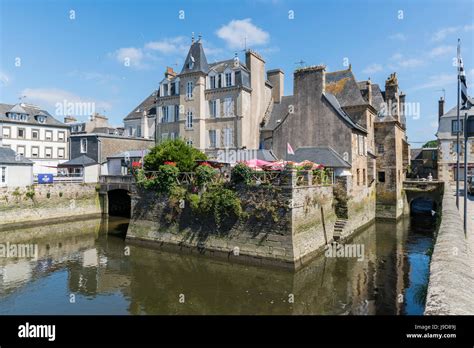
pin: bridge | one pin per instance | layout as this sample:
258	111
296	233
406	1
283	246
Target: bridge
114	193
423	192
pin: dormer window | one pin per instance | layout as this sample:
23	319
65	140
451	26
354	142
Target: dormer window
228	79
212	81
41	119
191	62
17	116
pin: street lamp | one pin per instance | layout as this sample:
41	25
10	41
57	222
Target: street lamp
468	133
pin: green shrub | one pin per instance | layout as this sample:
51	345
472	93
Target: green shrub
241	173
193	200
220	203
204	175
176	151
166	178
30	192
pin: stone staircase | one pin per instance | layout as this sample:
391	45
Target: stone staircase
339	226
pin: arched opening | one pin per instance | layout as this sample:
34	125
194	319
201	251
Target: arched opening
119	203
422	206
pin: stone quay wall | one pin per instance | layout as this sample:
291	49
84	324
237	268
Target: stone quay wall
451	274
42	202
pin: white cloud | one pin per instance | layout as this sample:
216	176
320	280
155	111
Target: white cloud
50	97
399	61
373	68
398	36
4	78
239	32
442	33
441	51
130	57
173	45
437	81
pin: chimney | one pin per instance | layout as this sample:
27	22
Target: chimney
69	119
312	78
170	72
277	79
392	96
440	107
369	91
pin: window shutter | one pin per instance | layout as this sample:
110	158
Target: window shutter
233	78
218	138
218	107
231	106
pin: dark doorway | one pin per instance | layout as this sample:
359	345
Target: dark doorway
119	203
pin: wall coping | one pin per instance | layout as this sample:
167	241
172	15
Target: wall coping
451	274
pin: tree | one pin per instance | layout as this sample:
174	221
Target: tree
173	151
431	143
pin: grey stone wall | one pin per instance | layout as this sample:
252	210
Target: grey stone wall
451	283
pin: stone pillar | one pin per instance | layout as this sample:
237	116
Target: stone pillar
308	177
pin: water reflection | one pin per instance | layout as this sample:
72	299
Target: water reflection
82	269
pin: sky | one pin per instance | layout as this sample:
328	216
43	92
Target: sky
110	55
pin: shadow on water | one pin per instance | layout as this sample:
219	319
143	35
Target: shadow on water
87	259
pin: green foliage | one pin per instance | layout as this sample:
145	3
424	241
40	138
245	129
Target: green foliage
177	151
193	200
431	143
204	175
241	173
30	192
166	178
220	203
60	194
48	195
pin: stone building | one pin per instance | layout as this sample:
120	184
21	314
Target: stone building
212	106
34	134
96	124
447	143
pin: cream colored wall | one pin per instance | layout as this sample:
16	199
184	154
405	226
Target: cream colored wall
18	176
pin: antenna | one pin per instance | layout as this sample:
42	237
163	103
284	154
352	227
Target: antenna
301	63
444	92
245	44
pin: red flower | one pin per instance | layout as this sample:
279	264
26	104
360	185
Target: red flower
205	164
169	163
136	164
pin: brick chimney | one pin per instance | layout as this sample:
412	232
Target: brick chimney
369	91
392	96
310	79
277	79
69	119
440	107
170	73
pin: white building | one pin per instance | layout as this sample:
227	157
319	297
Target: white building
34	134
15	170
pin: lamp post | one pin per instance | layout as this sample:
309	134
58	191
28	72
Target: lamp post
468	133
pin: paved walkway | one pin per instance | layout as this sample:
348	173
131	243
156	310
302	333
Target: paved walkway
470	219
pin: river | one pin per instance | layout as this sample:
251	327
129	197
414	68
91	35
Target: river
86	267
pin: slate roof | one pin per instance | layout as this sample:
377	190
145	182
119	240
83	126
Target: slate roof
345	117
342	84
279	113
8	156
196	52
414	153
147	104
324	155
453	111
32	111
81	161
220	66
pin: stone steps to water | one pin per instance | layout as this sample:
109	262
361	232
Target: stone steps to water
339	226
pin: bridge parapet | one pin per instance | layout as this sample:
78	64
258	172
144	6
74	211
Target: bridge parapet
115	182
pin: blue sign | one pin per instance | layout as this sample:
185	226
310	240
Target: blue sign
45	178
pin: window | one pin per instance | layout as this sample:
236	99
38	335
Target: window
165	89
35	151
20	150
61	136
228	79
3	175
212	138
41	119
358	177
363	177
212	82
219	81
61	152
189	120
454	126
130	131
35	134
189	89
164	110
228	107
164	136
213	108
176	113
48	152
380	149
49	135
21	133
189	142
228	137
381	176
139	131
84	145
6	132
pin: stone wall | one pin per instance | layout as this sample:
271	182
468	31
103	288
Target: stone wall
42	202
451	274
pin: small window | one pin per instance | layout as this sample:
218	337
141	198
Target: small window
381	176
380	149
164	110
358	177
3	175
228	79
6	132
212	138
60	136
189	120
84	145
189	89
20	150
61	152
189	142
49	135
213	108
454	126
212	82
48	152
176	113
35	151
21	133
35	134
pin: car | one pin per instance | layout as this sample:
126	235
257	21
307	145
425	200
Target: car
470	185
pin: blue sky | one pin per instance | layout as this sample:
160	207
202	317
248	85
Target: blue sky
52	51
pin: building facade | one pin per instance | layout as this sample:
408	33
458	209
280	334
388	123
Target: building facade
15	171
212	106
34	134
447	143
